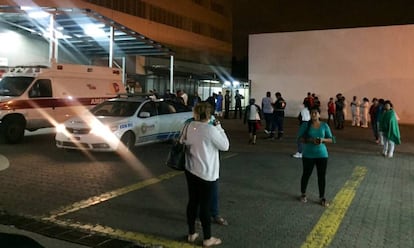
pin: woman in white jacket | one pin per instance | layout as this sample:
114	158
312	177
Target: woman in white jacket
204	141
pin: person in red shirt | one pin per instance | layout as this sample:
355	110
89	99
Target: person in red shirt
331	111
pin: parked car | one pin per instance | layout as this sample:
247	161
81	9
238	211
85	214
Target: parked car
123	122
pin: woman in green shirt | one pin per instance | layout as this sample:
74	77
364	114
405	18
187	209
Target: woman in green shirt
314	134
390	130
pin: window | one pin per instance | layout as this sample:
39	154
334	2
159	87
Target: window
41	88
179	107
218	8
165	108
150	108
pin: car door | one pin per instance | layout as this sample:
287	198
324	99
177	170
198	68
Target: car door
42	108
169	124
147	126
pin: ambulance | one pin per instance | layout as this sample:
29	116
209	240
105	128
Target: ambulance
34	97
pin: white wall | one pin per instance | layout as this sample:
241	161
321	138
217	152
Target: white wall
26	49
20	50
366	62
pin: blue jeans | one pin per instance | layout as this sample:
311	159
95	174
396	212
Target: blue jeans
268	118
214	199
278	119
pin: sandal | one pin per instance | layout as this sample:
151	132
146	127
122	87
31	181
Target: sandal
220	220
324	202
303	198
211	242
192	237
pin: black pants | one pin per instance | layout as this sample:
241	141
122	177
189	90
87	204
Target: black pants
331	116
251	126
226	110
238	110
321	165
199	203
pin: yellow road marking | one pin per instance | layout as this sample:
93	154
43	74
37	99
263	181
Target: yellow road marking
126	235
324	231
111	194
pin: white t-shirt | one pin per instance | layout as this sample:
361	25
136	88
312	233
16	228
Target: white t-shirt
253	113
267	106
305	114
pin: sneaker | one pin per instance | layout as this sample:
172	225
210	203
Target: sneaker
219	220
303	198
266	131
324	202
192	237
297	155
211	242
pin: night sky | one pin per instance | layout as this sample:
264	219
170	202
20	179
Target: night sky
268	16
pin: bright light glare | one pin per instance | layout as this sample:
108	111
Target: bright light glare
94	30
38	14
227	83
58	34
99	129
10	39
105	132
236	83
61	128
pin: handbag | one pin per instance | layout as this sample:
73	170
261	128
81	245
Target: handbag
176	156
258	124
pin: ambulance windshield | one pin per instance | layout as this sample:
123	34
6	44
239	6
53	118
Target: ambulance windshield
14	86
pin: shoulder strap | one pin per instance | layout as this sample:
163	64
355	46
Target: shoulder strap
183	135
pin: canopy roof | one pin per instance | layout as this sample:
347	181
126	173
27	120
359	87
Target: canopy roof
83	31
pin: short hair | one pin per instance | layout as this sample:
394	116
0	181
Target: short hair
314	108
388	102
202	111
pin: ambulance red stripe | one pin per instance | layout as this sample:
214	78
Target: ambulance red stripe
51	103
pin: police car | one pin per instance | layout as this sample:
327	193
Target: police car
122	123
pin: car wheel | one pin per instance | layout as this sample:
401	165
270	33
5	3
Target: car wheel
13	129
128	140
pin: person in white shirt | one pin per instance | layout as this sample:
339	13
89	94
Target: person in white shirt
364	112
304	116
355	106
204	141
252	118
267	108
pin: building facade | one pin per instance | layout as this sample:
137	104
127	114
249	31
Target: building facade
199	32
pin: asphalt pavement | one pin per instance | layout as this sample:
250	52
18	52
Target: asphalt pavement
371	200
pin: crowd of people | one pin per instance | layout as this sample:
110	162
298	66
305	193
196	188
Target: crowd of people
206	138
380	115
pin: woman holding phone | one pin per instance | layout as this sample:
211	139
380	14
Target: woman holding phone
314	135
